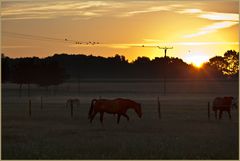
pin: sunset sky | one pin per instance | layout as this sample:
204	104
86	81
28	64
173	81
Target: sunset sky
196	29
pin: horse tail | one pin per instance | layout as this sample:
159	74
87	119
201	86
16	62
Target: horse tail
91	108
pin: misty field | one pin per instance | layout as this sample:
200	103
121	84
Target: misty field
183	132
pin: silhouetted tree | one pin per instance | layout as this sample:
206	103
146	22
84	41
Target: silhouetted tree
24	72
231	58
50	73
56	69
5	68
228	64
142	60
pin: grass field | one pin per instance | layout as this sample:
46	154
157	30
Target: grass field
183	132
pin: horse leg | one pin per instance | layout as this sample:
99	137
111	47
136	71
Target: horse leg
215	114
92	116
229	114
101	117
118	119
126	116
220	114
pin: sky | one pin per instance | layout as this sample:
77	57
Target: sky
197	30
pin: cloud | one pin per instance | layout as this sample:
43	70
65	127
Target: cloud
148	10
220	16
26	9
54	9
145	8
193	10
226	20
212	28
219	25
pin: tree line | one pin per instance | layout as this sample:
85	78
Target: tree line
56	69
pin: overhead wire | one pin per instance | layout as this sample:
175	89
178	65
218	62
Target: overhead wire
46	38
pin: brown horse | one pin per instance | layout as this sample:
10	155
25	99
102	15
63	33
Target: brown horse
222	104
117	106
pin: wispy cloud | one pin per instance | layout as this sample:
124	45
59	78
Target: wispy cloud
54	9
193	10
148	10
220	16
212	28
26	9
75	10
145	8
225	20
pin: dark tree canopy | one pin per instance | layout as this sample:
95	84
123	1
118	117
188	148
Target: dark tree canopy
228	64
49	73
37	71
5	68
56	69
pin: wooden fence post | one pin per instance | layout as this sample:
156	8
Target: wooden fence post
209	110
159	108
30	108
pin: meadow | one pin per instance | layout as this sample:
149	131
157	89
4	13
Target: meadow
183	132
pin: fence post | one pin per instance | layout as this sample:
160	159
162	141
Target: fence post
30	108
209	110
159	108
71	104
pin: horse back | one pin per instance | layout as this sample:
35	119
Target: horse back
227	101
222	103
109	106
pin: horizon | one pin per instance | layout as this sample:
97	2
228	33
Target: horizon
197	31
106	57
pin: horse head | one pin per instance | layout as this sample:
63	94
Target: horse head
138	109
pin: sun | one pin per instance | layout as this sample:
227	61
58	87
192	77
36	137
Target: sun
196	59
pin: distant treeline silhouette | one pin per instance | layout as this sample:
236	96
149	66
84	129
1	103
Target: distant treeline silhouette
59	68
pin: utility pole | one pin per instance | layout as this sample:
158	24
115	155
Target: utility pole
164	65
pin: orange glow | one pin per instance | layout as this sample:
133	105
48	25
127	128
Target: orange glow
197	59
208	27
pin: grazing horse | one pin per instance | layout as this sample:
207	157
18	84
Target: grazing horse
71	102
117	106
222	104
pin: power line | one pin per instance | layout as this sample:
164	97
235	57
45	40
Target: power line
45	38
